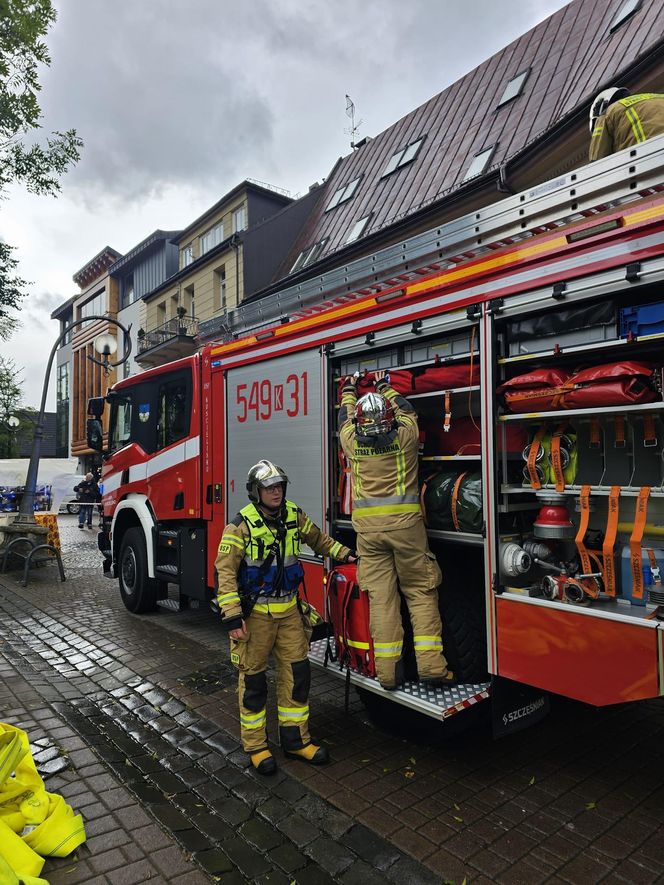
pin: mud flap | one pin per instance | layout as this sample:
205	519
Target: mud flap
515	706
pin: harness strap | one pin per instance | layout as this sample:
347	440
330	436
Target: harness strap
448	411
532	458
455	498
556	459
584	501
619	424
640	518
595	437
649	432
654	568
608	559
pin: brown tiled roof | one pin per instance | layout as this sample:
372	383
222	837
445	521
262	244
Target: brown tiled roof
571	56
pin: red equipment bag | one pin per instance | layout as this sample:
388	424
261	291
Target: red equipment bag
435	378
348	609
614	384
463	438
401	380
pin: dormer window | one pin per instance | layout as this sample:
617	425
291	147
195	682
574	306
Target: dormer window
403	157
343	194
514	88
187	255
626	11
212	238
479	163
239	219
309	255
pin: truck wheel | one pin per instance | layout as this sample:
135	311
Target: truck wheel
73	508
138	591
464	630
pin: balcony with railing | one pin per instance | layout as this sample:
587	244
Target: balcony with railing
174	339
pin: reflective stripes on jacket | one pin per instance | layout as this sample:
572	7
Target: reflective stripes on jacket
627	122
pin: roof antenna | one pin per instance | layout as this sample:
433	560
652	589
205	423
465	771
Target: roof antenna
354	127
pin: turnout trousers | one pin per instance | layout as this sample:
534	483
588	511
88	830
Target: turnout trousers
284	639
402	554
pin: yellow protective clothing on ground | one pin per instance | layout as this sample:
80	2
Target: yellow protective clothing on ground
34	824
628	121
405	554
285	639
392	541
384	478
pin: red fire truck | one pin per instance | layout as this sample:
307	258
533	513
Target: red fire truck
542	461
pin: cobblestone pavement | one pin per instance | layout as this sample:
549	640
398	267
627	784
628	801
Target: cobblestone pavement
145	709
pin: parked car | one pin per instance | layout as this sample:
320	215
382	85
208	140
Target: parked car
69	502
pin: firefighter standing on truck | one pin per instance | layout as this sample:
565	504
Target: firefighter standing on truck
619	120
259	574
380	439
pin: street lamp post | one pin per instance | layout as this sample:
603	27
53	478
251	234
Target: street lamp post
106	346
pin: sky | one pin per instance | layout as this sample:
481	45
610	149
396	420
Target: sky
177	102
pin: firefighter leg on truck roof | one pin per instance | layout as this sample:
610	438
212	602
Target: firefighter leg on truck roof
404	553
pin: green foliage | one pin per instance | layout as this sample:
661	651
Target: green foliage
36	166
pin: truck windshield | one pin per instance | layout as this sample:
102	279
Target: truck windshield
119	433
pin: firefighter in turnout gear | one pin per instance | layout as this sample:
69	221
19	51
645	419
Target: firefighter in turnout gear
619	120
380	439
259	575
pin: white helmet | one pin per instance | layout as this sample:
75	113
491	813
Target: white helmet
602	101
262	476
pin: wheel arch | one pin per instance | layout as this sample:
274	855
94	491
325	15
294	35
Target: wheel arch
134	511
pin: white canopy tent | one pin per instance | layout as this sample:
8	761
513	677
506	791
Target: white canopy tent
59	473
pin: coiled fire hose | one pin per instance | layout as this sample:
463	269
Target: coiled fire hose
34	824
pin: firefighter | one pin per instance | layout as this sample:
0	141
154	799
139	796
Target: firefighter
380	439
619	120
259	574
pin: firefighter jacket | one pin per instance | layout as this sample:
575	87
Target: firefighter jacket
258	561
384	475
627	122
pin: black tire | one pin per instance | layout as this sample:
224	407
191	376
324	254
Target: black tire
73	508
464	629
138	591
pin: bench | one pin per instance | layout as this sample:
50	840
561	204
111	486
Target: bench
32	554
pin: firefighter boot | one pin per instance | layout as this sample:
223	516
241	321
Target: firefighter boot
311	753
263	762
446	681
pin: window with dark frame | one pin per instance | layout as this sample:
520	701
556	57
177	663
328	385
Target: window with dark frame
343	194
479	163
403	156
172	413
514	88
626	11
309	255
357	230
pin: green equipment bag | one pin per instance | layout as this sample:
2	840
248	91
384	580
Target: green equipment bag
453	501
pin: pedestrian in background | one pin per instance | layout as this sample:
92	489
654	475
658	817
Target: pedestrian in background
87	495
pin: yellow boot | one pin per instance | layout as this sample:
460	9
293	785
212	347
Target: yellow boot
263	762
311	753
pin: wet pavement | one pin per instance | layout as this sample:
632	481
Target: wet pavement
143	710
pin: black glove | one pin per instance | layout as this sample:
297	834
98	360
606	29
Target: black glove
229	624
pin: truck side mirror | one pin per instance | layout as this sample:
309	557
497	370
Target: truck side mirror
96	406
94	434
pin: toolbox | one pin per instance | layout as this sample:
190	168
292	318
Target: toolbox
642	319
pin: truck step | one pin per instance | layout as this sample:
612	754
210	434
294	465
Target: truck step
167	569
439	703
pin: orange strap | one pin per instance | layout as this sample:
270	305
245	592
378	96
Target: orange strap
649	432
584	501
654	568
532	458
635	542
455	496
608	558
595	434
619	423
448	411
556	460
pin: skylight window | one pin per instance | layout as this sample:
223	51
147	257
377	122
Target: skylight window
309	255
514	88
358	229
626	11
479	163
402	157
343	194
